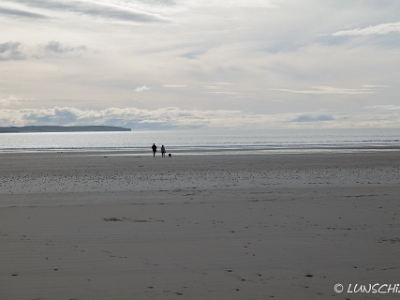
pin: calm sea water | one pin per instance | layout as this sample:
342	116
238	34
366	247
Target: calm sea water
197	139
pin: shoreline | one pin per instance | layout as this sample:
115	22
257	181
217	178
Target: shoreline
213	150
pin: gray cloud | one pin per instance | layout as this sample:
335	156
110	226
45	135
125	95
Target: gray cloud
194	54
173	117
21	13
55	49
312	118
11	51
94	9
16	51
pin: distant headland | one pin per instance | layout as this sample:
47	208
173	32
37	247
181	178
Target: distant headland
61	129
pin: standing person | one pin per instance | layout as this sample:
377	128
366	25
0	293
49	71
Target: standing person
163	151
154	147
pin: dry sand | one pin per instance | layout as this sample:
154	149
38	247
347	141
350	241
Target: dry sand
105	226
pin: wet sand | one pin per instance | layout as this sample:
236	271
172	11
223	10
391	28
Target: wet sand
282	226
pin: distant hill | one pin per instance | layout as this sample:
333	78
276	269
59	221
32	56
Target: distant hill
61	129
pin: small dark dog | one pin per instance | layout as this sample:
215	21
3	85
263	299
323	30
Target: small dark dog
170	155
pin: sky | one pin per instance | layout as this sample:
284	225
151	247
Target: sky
162	64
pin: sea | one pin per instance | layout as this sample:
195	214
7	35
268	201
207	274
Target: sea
207	141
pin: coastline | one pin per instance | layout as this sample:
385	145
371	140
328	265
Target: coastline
231	150
89	225
58	129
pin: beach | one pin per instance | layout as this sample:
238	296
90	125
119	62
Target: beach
110	225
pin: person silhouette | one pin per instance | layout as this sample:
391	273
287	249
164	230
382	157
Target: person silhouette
154	147
163	151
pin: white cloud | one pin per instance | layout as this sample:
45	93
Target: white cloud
266	57
11	100
141	89
236	3
383	107
318	90
224	83
372	86
174	85
380	29
221	93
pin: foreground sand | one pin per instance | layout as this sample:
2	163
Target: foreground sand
106	226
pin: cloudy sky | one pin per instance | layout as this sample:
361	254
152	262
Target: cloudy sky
200	63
